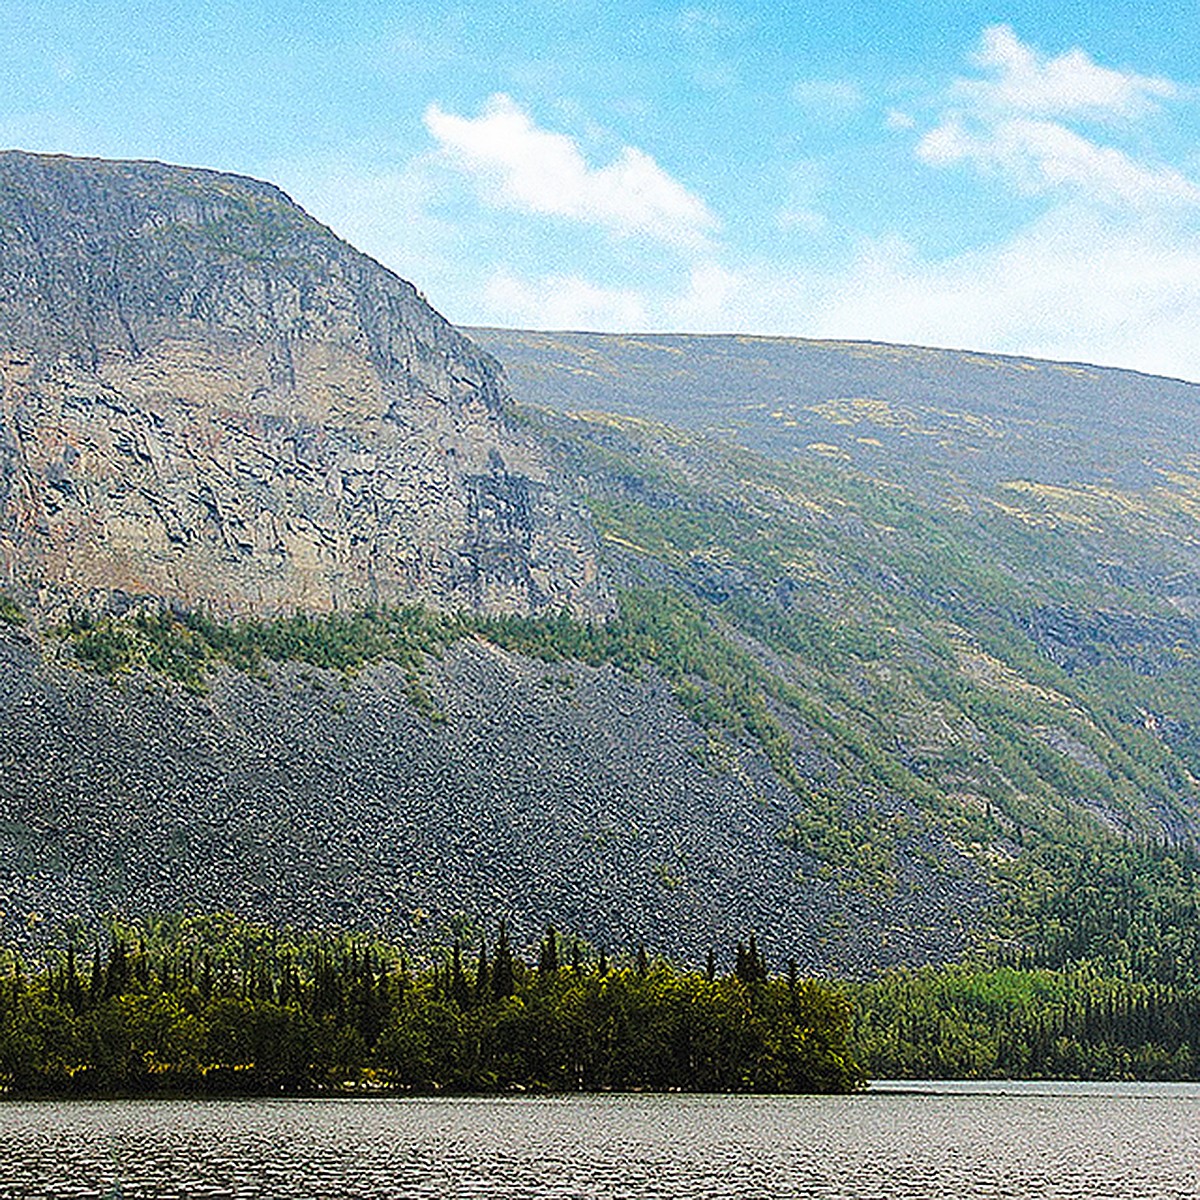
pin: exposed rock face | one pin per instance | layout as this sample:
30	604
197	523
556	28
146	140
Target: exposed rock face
206	396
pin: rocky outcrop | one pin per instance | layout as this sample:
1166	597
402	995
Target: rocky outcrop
205	396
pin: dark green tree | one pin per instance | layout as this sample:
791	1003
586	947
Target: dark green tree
503	976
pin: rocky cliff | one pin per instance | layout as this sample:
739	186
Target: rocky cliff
205	396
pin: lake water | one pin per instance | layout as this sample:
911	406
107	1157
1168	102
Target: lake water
897	1141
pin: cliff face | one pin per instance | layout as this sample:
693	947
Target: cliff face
206	396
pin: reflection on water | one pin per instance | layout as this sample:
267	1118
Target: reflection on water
1019	1141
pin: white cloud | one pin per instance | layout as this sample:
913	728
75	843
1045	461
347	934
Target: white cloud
1040	156
538	171
562	302
1077	284
896	119
1002	125
705	303
1070	85
572	302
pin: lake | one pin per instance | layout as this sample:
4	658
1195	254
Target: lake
922	1141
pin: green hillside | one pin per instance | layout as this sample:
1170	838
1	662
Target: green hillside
1010	666
314	609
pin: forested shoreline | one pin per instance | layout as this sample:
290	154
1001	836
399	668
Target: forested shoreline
214	1006
209	1006
987	1022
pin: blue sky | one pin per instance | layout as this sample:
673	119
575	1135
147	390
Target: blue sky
1021	177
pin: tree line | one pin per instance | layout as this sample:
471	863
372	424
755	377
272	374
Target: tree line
265	1013
987	1022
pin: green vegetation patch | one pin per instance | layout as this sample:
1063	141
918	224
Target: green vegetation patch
197	1007
10	611
980	1022
188	646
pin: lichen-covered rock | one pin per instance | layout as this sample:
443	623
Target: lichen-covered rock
205	396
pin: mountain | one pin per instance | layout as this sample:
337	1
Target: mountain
208	398
314	611
965	587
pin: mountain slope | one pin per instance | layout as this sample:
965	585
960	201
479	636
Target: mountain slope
545	791
897	657
957	627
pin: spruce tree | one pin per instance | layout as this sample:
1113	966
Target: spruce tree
96	986
503	981
459	993
548	958
74	993
742	967
757	964
116	976
483	976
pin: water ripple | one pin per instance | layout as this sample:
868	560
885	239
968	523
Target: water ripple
1079	1144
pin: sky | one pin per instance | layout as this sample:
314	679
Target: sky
1020	177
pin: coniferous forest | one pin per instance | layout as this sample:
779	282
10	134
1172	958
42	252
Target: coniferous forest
211	1006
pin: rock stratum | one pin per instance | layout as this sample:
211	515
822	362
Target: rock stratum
207	397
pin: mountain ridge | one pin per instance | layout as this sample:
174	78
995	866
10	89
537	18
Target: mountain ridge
489	332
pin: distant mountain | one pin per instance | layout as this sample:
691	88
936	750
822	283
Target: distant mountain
207	397
1073	489
947	420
